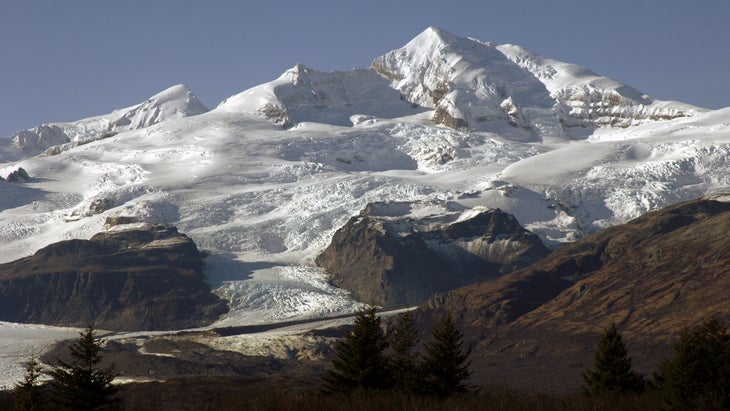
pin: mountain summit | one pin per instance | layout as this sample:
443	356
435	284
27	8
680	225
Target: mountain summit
467	84
473	84
175	102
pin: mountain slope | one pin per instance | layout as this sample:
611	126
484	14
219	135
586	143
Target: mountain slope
587	99
303	94
175	102
264	200
654	276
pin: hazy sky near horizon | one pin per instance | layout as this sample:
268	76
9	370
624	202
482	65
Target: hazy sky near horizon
72	59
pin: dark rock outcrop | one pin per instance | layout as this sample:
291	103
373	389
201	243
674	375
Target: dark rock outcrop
17	176
536	328
137	279
389	257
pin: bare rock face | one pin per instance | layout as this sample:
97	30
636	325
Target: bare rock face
17	176
138	279
396	254
536	328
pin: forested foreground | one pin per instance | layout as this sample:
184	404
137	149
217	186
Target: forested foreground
374	371
365	400
238	394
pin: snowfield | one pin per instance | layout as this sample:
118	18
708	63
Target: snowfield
262	182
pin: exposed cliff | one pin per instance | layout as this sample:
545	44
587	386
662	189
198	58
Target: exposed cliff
137	279
404	253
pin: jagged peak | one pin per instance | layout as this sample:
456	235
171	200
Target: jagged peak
436	34
299	68
433	40
468	83
178	91
178	94
471	84
294	74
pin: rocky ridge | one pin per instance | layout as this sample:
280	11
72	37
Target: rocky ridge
19	175
144	278
397	254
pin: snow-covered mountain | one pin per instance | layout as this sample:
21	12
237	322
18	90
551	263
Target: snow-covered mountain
464	84
175	102
587	99
302	94
473	84
262	182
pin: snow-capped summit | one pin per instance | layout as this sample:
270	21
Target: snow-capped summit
468	84
475	85
175	102
303	94
586	98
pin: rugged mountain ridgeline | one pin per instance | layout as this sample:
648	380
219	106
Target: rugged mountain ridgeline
267	177
175	102
135	279
395	254
19	175
468	84
535	328
472	84
437	150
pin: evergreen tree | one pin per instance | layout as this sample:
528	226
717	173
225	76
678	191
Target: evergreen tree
445	369
29	395
405	359
698	377
611	373
81	385
359	360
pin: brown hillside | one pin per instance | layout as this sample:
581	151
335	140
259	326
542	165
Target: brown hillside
536	328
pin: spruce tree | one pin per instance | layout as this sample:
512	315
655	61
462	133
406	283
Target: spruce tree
29	395
611	373
445	369
81	384
405	359
359	358
698	376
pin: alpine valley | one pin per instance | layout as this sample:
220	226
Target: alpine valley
448	163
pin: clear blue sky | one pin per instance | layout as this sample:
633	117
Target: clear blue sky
71	59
